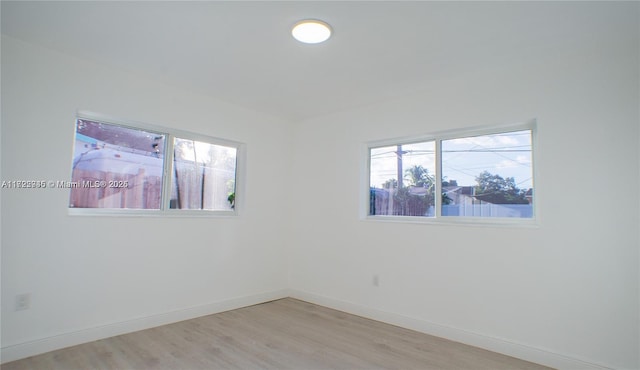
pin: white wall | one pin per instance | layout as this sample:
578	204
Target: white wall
87	272
568	287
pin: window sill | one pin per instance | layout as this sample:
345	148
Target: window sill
150	213
457	221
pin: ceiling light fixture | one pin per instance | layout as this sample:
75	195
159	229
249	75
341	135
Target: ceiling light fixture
311	31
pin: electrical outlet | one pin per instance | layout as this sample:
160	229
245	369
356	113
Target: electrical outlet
376	280
23	302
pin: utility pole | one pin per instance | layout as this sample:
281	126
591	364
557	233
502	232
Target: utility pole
399	154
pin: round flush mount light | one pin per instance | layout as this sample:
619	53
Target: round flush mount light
311	31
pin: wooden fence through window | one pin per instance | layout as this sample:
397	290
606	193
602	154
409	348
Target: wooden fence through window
99	189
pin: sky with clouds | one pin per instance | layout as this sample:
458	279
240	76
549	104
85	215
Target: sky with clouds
505	154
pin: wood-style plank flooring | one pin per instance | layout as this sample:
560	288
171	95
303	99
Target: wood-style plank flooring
283	334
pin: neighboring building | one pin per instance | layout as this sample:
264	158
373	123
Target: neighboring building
465	203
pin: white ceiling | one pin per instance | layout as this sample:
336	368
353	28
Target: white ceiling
242	52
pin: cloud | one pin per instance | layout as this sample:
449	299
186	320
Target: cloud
500	140
520	160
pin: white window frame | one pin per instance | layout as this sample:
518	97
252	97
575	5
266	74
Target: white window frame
438	137
170	134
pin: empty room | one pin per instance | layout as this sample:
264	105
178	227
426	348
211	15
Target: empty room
320	185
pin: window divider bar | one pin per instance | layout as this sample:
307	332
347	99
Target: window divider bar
168	167
437	201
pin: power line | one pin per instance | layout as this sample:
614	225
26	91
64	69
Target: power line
486	151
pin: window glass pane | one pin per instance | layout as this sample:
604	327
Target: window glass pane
203	176
402	181
116	167
488	176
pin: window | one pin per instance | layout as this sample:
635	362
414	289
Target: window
143	169
116	167
471	175
488	175
203	176
403	179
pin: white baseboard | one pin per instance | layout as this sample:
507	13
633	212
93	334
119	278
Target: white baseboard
43	345
528	353
524	352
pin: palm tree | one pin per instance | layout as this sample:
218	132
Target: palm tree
390	184
418	176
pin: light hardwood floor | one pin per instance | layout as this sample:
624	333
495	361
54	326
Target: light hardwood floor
283	334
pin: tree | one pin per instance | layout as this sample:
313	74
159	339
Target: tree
390	184
498	190
446	199
406	202
419	176
446	182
